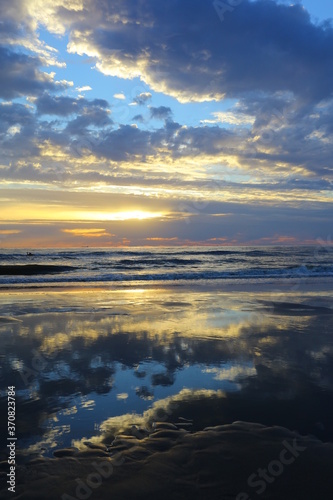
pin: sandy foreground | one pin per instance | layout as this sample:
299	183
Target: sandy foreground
237	461
196	443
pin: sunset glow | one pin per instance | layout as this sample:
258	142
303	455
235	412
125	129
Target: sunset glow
118	216
159	123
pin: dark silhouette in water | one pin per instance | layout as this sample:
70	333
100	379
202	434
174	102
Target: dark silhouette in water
32	269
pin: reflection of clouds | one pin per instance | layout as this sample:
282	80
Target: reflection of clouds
163	379
268	340
232	373
60	333
163	410
69	411
50	440
85	347
62	370
322	354
16	364
144	393
271	357
87	404
96	362
122	396
50	344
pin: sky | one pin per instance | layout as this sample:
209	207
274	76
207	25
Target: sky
182	122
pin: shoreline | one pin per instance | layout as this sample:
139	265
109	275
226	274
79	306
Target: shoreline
279	286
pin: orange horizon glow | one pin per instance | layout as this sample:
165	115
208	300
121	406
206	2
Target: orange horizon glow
84	240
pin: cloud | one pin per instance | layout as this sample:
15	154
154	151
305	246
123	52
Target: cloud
17	131
95	116
19	30
20	75
10	231
183	49
87	233
138	118
231	118
48	104
283	138
275	142
159	239
120	96
142	98
85	88
124	143
160	113
15	114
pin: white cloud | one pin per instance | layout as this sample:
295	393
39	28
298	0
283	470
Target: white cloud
231	118
85	88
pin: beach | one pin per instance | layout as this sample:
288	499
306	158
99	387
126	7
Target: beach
176	389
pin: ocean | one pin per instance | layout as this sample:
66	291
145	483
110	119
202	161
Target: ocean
251	265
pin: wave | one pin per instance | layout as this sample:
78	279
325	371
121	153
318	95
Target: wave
254	274
159	261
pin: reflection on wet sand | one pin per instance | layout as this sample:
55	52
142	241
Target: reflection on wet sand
88	367
155	455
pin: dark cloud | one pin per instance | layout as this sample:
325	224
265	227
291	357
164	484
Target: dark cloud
294	134
276	142
138	118
142	98
173	141
14	114
17	131
194	141
20	75
63	106
15	21
160	113
124	143
183	48
271	57
96	117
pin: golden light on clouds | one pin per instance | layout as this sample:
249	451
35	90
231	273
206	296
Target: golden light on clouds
88	233
119	216
10	231
157	238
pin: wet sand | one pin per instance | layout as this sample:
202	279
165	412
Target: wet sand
266	434
238	461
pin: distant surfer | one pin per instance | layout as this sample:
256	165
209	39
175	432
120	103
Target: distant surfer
29	254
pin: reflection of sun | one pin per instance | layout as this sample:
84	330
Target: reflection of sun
128	215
